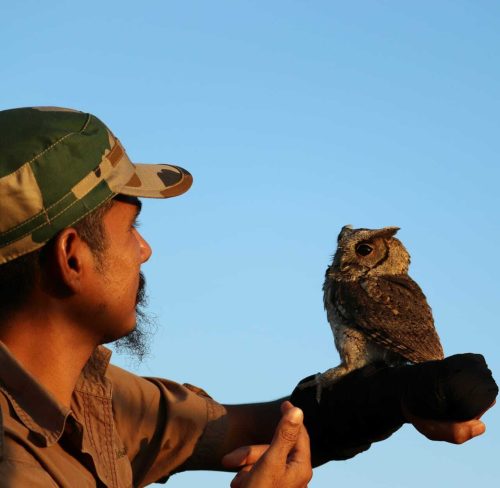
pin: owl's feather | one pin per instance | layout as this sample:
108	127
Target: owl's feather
391	310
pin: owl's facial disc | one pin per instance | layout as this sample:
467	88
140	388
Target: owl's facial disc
365	251
369	252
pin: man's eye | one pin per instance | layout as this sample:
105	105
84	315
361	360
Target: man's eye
135	224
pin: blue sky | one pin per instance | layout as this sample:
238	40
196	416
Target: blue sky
295	118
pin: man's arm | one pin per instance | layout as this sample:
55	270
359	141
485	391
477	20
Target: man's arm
233	426
254	425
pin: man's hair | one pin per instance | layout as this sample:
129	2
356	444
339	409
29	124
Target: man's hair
18	277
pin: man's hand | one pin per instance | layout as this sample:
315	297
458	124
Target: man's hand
454	432
285	463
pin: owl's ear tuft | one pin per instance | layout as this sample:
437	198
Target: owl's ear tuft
386	232
347	229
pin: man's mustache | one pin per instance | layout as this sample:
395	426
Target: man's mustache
141	290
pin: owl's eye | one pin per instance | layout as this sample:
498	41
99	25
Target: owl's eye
364	249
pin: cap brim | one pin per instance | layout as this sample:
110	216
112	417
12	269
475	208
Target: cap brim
157	181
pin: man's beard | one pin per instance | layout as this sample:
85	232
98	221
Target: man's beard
137	343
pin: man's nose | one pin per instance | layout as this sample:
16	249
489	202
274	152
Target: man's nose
146	250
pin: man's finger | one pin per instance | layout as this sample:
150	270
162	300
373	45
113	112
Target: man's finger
454	432
239	478
244	455
302	451
286	435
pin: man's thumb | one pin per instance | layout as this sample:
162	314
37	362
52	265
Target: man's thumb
287	432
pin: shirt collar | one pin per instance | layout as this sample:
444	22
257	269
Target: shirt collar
36	408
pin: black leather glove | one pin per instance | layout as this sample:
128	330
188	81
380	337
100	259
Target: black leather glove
367	405
457	388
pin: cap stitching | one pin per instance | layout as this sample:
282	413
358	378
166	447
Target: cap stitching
44	209
57	215
18	254
60	140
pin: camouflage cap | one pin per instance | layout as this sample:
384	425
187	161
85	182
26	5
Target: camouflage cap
57	165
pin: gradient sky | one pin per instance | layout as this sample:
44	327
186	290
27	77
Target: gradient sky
295	118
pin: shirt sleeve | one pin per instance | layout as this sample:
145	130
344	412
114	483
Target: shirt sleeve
159	422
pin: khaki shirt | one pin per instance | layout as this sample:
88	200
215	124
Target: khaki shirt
122	430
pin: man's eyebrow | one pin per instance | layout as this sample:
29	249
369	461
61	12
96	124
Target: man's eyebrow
138	205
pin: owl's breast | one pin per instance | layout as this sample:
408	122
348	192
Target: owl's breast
337	312
355	342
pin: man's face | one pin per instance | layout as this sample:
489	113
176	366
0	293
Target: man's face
119	286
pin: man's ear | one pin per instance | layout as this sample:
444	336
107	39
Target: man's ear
72	257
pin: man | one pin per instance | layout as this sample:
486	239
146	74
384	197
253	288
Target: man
70	259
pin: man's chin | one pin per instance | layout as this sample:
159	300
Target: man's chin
137	342
118	335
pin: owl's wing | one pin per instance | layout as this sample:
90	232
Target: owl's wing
393	312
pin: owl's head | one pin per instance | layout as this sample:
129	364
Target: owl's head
370	252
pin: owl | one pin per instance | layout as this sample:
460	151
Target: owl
376	311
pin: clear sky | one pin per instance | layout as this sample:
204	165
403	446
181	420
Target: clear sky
295	118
